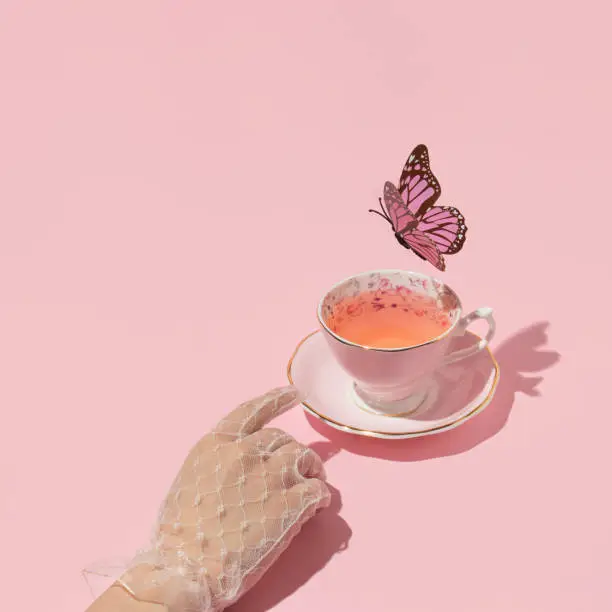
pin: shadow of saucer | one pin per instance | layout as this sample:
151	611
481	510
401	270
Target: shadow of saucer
319	540
519	357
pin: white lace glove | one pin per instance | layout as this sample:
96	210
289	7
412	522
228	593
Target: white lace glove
239	499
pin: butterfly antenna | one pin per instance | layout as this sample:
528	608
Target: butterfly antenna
376	212
383	214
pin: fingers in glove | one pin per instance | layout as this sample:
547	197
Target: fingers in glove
255	414
266	441
293	462
313	495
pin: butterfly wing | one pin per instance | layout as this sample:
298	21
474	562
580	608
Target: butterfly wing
446	226
418	186
399	214
424	247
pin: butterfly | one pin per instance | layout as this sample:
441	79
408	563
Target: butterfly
428	230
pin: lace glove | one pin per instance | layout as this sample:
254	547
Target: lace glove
241	496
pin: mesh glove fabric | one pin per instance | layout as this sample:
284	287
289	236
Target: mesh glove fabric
241	496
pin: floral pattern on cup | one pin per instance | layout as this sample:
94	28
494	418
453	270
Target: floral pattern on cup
423	296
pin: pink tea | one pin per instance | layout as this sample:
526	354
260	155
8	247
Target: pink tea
380	320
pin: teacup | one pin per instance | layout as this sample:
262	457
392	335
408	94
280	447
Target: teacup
394	380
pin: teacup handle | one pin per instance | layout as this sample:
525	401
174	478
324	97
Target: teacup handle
464	323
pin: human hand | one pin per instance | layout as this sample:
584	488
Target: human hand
239	499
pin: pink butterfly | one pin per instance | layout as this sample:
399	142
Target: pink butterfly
430	231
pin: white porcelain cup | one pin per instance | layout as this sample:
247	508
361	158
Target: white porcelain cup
394	380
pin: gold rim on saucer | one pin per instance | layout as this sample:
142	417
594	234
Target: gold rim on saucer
374	433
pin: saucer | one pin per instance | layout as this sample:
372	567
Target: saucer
456	392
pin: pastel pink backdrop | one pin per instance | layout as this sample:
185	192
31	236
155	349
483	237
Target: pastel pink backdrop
180	182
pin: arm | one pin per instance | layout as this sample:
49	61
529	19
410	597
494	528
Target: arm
117	599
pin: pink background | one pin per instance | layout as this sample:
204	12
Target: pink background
179	183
